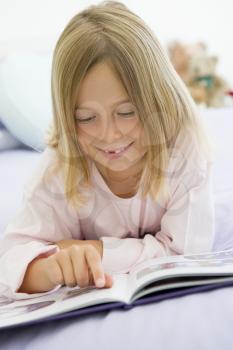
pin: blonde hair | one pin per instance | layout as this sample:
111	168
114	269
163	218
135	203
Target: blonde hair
111	32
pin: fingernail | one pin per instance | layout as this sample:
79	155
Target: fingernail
100	282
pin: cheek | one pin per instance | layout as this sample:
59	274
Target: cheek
85	136
131	128
137	131
83	141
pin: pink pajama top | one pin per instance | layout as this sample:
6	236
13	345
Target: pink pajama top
131	229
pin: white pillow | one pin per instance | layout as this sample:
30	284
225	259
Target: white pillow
7	140
220	125
25	96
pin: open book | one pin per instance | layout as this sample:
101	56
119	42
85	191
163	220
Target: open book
149	281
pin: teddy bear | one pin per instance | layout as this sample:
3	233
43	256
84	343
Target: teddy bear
205	85
198	70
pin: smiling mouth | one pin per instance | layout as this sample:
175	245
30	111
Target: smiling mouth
117	151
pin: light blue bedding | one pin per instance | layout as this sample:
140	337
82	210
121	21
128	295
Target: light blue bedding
199	321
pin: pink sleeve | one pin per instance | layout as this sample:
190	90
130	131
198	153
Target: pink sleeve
43	219
186	227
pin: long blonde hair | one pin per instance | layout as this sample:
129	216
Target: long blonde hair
110	31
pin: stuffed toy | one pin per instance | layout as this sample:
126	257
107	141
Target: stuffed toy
198	70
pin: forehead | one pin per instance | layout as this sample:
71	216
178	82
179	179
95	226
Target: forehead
102	86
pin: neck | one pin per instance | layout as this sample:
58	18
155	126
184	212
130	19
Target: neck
129	176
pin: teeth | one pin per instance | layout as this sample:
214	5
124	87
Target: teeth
117	151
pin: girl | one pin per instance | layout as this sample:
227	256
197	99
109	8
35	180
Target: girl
127	171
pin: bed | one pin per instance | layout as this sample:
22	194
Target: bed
197	321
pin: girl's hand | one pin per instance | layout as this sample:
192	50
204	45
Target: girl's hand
76	265
65	243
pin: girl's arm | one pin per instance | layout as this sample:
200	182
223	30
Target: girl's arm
43	218
186	227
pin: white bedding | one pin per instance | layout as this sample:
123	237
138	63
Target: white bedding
198	321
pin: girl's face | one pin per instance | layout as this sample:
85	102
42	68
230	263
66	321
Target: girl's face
107	122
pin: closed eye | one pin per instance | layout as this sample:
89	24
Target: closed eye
85	120
129	113
91	118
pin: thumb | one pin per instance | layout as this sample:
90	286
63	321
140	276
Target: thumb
51	272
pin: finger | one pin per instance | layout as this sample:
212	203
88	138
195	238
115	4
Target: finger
80	265
66	266
95	264
54	271
91	278
109	281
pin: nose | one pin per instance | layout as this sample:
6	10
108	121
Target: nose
109	131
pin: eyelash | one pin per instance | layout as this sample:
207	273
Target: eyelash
87	120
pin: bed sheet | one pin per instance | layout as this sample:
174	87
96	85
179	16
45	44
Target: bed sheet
15	169
198	321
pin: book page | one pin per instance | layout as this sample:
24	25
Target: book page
178	282
65	299
213	263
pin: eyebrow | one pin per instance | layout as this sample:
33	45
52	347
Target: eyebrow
114	104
